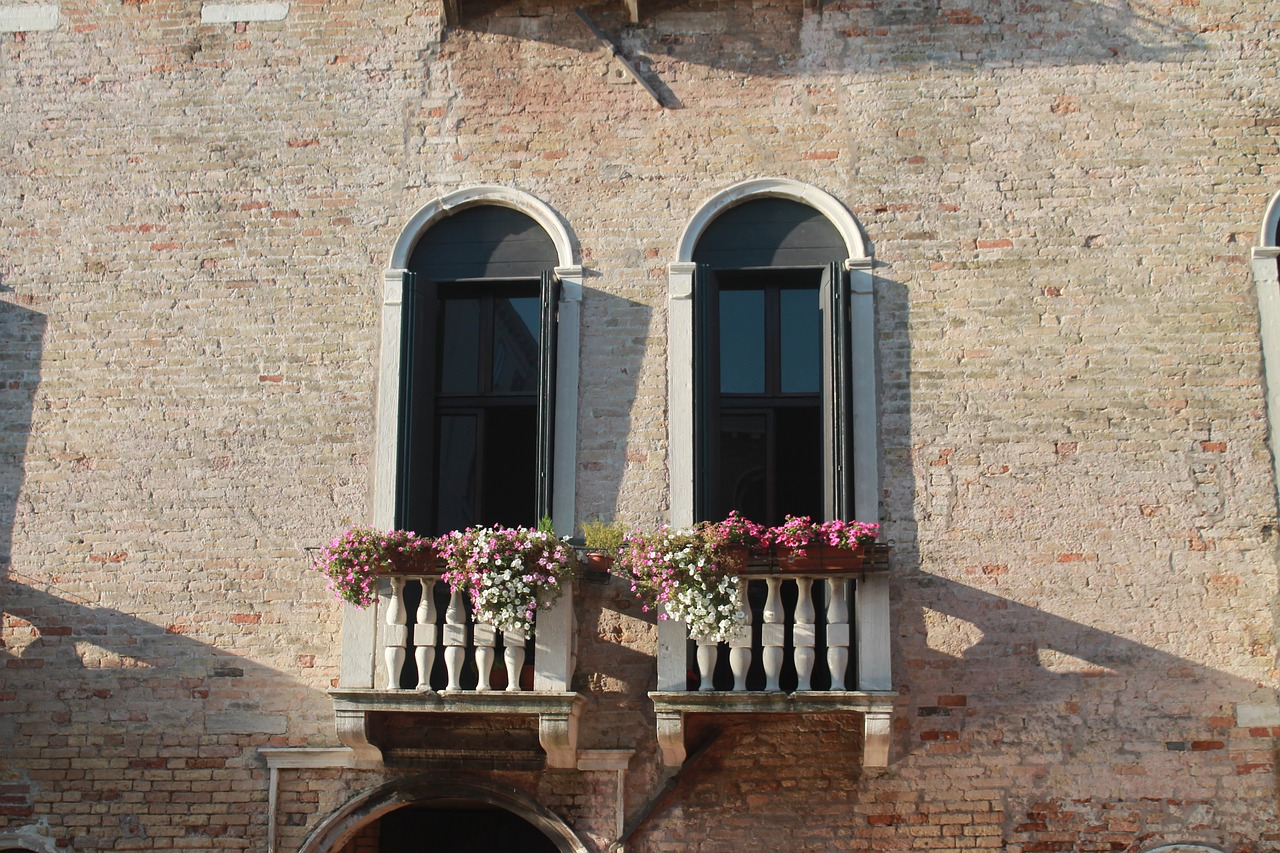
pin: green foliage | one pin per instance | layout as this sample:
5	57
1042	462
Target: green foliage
604	537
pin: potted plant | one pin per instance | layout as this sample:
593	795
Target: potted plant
506	572
687	575
602	542
353	561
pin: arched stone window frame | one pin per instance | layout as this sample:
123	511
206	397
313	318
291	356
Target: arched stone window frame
360	627
369	805
1265	263
680	324
566	416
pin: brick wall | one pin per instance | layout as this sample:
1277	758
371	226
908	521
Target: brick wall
193	223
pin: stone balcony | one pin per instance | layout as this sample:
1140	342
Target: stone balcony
419	651
814	643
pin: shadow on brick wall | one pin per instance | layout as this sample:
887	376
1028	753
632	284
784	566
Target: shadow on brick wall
21	341
616	333
1008	653
66	661
783	40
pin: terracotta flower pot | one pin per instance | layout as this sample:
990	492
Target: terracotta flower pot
598	561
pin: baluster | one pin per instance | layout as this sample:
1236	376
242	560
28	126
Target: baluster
485	637
425	633
708	654
455	639
740	643
804	634
773	635
397	634
513	643
837	630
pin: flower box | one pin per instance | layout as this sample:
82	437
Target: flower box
414	563
819	558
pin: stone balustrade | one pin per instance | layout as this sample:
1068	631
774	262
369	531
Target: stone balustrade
468	649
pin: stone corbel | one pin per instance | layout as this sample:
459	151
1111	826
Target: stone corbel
671	737
558	734
353	732
875	738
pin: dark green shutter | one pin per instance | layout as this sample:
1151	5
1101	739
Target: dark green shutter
414	493
837	394
547	393
706	391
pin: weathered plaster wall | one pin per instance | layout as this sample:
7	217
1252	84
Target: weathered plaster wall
193	223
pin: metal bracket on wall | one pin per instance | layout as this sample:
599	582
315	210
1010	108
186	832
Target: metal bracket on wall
618	54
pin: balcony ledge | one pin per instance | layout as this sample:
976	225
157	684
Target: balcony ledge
558	715
876	708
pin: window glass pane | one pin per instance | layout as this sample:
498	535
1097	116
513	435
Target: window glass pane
800	334
459	346
516	324
742	342
455	473
743	465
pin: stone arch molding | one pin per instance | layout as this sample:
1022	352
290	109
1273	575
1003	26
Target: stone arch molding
1264	262
341	826
436	209
1185	847
827	205
1270	222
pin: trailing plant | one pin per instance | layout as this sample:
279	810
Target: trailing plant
506	572
353	561
687	575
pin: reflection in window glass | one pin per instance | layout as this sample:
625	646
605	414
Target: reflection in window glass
742	341
459	346
516	322
800	323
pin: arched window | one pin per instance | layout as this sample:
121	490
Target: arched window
479	329
770	363
1265	263
478	392
772	377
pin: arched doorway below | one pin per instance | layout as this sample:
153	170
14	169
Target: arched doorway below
442	811
459	826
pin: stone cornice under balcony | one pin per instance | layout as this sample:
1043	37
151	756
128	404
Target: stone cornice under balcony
875	707
557	713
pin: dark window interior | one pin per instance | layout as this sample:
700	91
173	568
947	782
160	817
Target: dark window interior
486	404
767	411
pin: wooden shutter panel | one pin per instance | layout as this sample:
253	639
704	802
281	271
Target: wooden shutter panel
706	391
414	494
837	394
547	393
